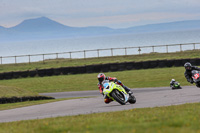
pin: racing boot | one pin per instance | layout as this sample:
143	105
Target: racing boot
127	90
107	100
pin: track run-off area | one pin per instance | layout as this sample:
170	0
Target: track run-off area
146	97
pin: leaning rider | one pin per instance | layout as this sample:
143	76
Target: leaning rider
101	77
188	71
172	82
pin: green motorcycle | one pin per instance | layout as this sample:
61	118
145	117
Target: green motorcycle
176	85
117	93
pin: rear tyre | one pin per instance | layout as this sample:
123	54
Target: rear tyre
118	96
198	85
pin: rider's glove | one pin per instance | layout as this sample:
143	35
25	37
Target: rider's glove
115	80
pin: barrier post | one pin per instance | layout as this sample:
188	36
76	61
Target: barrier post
98	53
194	45
29	59
43	58
111	52
139	50
167	48
56	55
70	55
84	54
180	47
125	51
153	49
15	59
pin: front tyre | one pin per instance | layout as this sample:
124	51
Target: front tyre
118	96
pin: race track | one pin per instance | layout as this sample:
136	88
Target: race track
146	97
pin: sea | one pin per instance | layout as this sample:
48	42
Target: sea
97	46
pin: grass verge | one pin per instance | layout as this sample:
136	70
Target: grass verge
9	91
133	78
180	118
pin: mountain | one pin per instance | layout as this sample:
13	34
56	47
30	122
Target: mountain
42	24
45	28
164	27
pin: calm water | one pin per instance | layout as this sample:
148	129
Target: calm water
89	43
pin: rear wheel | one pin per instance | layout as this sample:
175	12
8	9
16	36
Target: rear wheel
119	97
132	99
198	84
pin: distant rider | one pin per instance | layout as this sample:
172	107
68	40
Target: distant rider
101	77
188	71
172	82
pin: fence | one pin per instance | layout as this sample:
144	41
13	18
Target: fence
98	53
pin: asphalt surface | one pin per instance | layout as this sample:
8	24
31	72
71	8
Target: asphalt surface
146	97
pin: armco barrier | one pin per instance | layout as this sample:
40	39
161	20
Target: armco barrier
162	63
8	75
4	100
112	67
97	68
49	72
122	66
129	65
65	70
195	61
1	76
24	74
178	63
90	68
16	75
57	71
146	64
137	65
32	73
41	72
153	64
169	63
105	68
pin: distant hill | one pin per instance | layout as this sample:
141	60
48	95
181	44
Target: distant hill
45	28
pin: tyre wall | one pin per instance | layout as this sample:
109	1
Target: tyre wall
111	67
4	100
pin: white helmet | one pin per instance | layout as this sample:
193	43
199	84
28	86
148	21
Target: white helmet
173	80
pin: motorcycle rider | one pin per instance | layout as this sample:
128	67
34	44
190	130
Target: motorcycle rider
188	71
172	82
101	77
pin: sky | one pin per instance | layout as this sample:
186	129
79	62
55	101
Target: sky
109	13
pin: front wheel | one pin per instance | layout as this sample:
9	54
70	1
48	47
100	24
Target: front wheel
118	96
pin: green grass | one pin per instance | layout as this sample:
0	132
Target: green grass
101	60
9	91
181	118
134	79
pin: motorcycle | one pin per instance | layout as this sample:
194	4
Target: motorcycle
176	85
117	93
196	77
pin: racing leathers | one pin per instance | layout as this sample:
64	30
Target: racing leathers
188	74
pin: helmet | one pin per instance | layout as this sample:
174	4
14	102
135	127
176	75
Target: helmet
188	66
173	80
101	77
